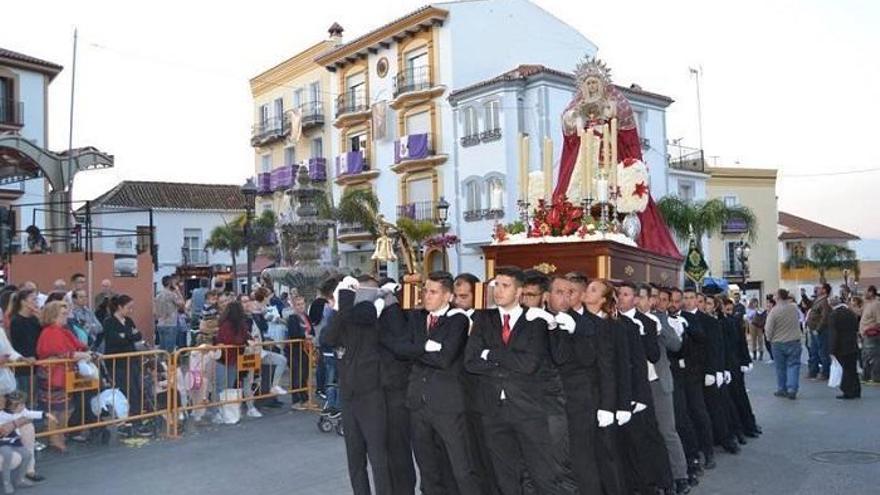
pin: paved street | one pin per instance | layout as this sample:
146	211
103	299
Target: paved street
285	454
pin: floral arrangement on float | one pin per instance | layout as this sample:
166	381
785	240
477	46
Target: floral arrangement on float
442	241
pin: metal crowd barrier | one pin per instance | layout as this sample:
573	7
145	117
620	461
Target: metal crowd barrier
204	373
54	386
161	386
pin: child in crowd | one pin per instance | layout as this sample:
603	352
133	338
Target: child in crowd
200	374
16	412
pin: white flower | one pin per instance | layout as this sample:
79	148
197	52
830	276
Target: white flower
633	181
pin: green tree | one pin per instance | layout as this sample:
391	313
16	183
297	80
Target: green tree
357	206
228	237
704	217
823	258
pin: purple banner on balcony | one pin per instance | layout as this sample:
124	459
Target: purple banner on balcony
282	178
411	147
264	183
318	169
349	163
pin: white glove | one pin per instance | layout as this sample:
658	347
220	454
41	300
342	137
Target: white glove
727	377
605	418
640	325
469	313
484	355
745	369
709	381
623	417
638	407
380	305
433	346
565	322
677	323
349	283
390	287
536	313
719	379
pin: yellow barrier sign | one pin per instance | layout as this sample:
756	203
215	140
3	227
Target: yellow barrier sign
249	362
76	383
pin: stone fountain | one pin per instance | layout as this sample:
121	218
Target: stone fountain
302	240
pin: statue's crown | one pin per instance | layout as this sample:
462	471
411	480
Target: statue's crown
592	67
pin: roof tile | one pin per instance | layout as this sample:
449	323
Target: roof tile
801	228
172	196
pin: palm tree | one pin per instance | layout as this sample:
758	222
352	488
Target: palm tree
704	217
228	237
825	257
358	206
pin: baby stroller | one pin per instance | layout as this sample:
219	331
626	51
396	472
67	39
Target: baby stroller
330	420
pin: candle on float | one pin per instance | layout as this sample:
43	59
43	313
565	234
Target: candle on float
583	164
524	168
613	170
548	166
602	190
590	160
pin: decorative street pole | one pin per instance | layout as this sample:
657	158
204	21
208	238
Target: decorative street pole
443	216
249	191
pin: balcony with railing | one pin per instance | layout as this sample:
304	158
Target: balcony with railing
352	232
688	160
735	226
192	257
353	167
282	178
415	152
318	169
11	113
264	183
414	85
352	106
312	114
270	130
418	211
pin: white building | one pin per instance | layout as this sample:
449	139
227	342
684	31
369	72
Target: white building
797	236
491	116
24	111
182	216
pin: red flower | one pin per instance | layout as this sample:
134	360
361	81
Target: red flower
641	189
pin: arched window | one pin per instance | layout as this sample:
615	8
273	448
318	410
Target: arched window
473	198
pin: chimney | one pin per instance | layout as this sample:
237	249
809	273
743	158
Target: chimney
336	33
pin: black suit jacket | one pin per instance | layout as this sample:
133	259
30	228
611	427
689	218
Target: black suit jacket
622	364
693	345
587	357
715	359
436	379
393	327
355	334
519	368
844	337
641	390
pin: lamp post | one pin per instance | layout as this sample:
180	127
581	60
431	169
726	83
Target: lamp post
443	216
742	251
249	191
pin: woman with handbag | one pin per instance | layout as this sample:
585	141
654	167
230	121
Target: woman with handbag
234	331
57	342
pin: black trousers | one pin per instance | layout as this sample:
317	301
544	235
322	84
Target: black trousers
400	455
647	459
683	424
740	399
696	405
580	411
364	420
540	444
734	423
441	438
717	414
849	384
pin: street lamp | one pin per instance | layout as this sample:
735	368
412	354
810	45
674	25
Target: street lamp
249	191
443	215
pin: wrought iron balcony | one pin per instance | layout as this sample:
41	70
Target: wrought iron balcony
348	229
312	114
734	226
490	135
282	177
191	257
264	183
413	79
471	140
352	163
352	101
693	161
418	211
270	130
11	112
318	169
414	147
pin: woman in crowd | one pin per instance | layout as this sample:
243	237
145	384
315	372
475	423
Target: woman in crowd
24	332
120	337
57	342
234	331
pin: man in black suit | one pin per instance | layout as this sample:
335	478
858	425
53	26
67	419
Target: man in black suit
354	332
523	414
740	361
395	377
584	352
647	456
714	367
843	344
435	342
684	304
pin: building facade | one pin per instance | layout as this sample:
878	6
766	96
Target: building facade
797	236
182	217
755	188
24	112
